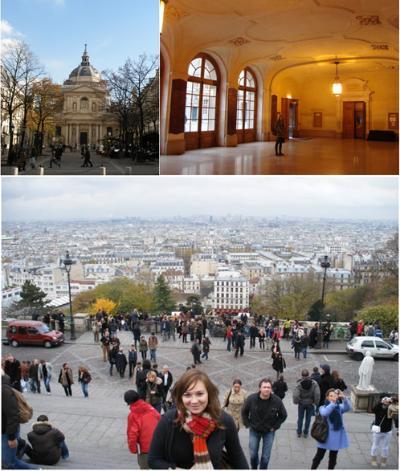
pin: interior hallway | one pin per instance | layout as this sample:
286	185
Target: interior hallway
318	156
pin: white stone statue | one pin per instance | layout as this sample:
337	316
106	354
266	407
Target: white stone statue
365	372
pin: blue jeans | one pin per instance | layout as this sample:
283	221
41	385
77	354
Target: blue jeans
47	383
228	347
254	445
153	355
308	410
9	458
85	389
64	450
304	352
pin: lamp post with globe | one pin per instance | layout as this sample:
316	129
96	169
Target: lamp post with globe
68	262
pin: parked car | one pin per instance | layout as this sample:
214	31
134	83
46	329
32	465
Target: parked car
357	347
33	333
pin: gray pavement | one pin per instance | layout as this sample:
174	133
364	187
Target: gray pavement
71	165
95	428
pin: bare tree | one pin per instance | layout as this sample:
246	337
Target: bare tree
19	71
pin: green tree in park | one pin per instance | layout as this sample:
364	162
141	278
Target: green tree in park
31	296
163	301
386	315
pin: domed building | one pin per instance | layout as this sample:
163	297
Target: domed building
85	119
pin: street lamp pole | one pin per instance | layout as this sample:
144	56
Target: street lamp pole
68	262
325	265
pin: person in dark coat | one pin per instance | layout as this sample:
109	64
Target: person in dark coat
86	155
47	444
167	380
280	132
195	432
278	364
280	387
121	362
296	344
34	376
195	349
326	382
313	336
253	335
12	368
132	360
206	347
239	344
112	357
141	377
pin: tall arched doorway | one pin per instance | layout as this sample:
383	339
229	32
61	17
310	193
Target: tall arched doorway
201	103
246	107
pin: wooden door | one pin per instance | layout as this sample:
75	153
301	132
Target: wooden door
285	103
359	120
348	120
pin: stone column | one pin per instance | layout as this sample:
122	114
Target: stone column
176	134
89	135
231	140
77	136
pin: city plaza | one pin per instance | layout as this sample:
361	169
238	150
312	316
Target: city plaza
95	428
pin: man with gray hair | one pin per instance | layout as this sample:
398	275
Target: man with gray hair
306	395
167	380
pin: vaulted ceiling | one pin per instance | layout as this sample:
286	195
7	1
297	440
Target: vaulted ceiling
277	34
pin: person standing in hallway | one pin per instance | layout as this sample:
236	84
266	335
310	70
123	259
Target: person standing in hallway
280	134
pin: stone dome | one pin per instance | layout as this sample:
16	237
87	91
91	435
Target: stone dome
84	72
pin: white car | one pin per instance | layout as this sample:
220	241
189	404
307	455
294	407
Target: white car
358	346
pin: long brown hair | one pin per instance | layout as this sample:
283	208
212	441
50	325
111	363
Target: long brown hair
185	382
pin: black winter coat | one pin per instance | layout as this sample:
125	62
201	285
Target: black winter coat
45	441
326	382
172	447
262	415
9	410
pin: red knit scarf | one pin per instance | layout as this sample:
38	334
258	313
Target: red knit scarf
201	426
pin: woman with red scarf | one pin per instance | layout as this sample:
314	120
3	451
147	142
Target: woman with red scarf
196	434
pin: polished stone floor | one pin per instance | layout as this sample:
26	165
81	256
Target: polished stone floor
302	157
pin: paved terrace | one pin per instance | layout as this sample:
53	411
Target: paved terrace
95	428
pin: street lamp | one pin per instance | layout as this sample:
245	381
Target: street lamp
325	265
68	262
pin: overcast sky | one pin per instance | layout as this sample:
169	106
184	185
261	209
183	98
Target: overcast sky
63	198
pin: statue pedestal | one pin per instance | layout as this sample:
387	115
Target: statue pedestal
362	399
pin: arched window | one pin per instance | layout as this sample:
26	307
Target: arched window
201	102
246	106
84	103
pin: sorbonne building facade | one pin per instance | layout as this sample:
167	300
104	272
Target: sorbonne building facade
85	119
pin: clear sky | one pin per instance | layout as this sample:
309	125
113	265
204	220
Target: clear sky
63	198
56	31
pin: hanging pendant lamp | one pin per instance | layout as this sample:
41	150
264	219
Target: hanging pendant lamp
337	87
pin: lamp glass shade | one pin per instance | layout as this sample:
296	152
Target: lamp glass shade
337	88
162	11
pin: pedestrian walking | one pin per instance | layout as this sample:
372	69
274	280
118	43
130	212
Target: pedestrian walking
45	369
316	375
239	344
280	133
112	357
263	413
12	368
194	434
278	364
167	380
296	345
326	334
253	335
65	378
233	402
96	330
333	411
381	432
84	378
141	377
279	387
325	382
105	345
136	333
143	347
306	395
34	376
229	336
121	362
154	390
142	421
195	350
132	360
261	339
153	344
206	347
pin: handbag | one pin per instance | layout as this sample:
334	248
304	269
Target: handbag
320	429
376	428
25	411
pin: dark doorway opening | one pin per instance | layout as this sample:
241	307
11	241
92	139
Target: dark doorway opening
354	117
83	139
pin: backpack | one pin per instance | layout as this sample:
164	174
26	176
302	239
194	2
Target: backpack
25	411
